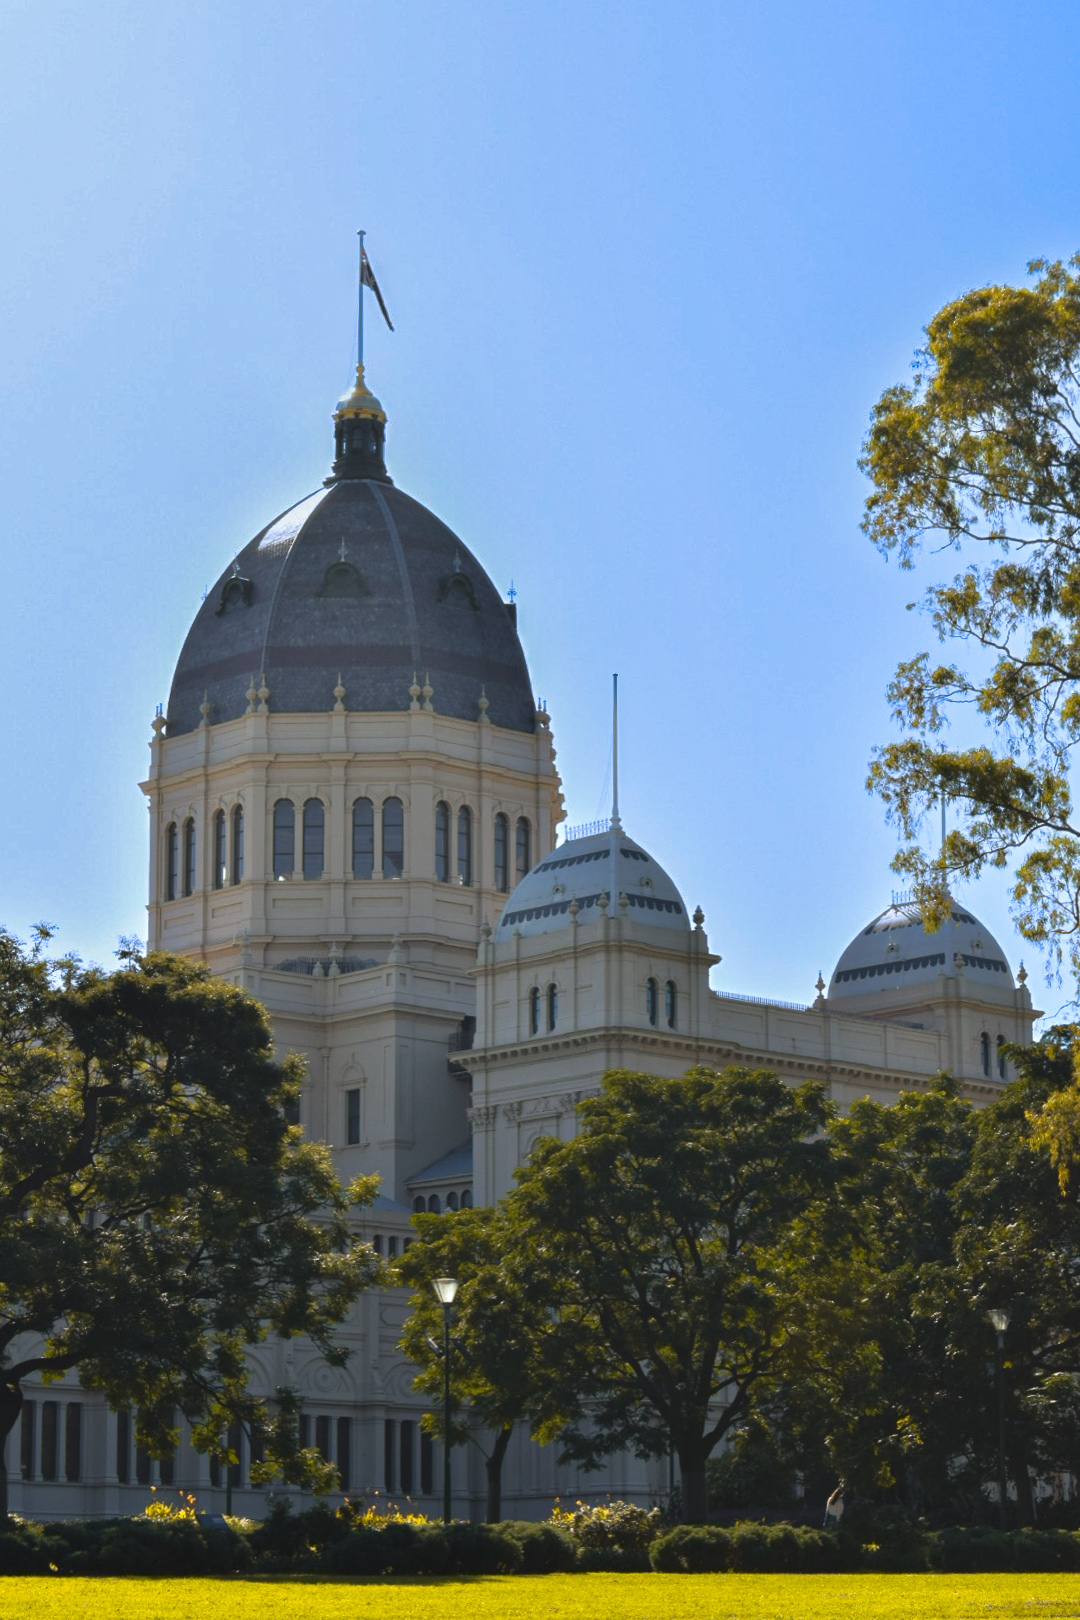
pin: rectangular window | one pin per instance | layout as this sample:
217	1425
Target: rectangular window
26	1450
388	1454
314	826
407	1431
322	1438
502	853
219	849
73	1440
352	1116
123	1446
284	831
236	1444
215	1472
376	1243
427	1464
305	1431
363	838
142	1465
344	1451
257	1447
50	1412
391	1247
189	857
237	844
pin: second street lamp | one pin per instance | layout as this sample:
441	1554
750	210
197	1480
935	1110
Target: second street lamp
1000	1319
445	1291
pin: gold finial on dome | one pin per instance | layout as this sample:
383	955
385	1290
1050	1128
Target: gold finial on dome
361	402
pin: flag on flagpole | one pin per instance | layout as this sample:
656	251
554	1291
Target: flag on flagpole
367	279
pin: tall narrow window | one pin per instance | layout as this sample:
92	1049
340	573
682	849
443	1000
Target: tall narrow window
284	838
352	1116
466	1199
1001	1056
73	1440
652	1000
314	827
552	1006
236	1444
534	1011
189	856
984	1052
238	843
219	849
344	1452
123	1446
442	841
26	1449
388	1454
142	1464
671	1003
172	862
305	1432
393	838
322	1438
434	1207
363	838
49	1448
524	850
464	845
408	1430
502	853
427	1464
451	1200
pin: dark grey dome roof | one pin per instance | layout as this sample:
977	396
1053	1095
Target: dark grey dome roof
357	578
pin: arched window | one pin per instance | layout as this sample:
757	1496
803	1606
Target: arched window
464	845
552	1006
442	841
984	1052
466	1199
393	838
189	856
314	827
172	862
363	838
534	1011
220	863
451	1200
502	853
652	1000
284	838
433	1205
418	1206
524	853
237	843
1001	1055
671	1003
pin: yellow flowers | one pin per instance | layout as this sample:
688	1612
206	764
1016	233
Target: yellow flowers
160	1510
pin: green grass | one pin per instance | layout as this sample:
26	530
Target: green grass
564	1597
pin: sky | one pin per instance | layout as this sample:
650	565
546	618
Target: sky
649	269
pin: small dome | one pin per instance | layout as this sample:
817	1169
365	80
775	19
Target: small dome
582	870
895	952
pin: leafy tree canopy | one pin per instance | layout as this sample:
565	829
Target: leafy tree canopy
158	1214
980	453
644	1238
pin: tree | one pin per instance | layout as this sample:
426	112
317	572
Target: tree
497	1327
644	1239
981	452
158	1214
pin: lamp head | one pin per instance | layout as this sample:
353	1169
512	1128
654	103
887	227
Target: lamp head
445	1289
1000	1317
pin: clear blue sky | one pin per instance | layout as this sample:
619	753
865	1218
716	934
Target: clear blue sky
649	266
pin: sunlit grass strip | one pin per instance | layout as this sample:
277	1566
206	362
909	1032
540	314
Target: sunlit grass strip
564	1597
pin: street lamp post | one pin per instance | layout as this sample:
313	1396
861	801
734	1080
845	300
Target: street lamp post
1000	1318
445	1291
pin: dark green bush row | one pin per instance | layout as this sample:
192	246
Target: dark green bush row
318	1541
785	1548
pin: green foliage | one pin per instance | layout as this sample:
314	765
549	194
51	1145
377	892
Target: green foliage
644	1238
158	1214
981	452
752	1471
606	1525
545	1548
121	1547
764	1548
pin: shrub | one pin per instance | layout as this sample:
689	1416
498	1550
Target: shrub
544	1549
285	1536
754	1548
403	1548
615	1525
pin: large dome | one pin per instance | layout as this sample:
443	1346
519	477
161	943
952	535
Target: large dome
895	952
357	580
581	871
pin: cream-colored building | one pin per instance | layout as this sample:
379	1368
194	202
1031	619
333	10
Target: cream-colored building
354	808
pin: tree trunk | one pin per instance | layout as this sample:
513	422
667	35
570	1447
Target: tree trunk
1021	1477
695	1497
493	1468
10	1406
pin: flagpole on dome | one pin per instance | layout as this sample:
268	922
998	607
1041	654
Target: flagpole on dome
616	824
360	300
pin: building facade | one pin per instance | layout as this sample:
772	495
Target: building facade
354	807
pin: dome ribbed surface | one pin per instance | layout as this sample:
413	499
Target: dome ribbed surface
583	869
357	578
895	952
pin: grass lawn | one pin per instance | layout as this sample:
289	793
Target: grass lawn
524	1597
